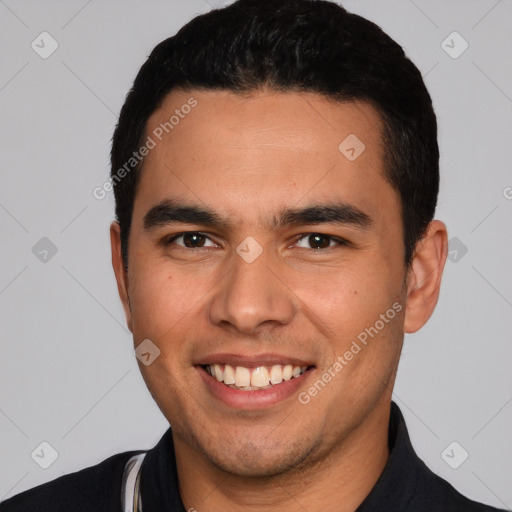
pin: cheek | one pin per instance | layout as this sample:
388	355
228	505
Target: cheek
345	302
160	299
342	294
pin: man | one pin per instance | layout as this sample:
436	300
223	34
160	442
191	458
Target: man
275	169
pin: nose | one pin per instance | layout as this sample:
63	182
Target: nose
251	297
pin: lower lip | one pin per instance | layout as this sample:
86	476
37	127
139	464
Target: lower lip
253	400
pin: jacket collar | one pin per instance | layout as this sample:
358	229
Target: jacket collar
397	484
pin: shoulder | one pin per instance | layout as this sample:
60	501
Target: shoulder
407	484
434	493
96	488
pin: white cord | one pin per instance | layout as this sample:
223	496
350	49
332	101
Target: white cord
131	472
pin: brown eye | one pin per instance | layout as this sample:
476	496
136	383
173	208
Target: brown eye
317	241
190	240
193	240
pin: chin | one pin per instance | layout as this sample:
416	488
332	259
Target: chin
252	461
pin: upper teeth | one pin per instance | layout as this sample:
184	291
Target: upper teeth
258	377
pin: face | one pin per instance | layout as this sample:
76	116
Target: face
264	253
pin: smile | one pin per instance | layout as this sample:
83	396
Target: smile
256	378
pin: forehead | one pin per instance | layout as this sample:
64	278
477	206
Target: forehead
299	120
263	150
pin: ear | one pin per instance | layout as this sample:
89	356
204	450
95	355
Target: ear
119	271
424	276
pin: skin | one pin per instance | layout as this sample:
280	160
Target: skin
246	157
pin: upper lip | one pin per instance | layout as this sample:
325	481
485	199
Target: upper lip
250	361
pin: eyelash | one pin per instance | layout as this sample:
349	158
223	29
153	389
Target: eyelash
340	241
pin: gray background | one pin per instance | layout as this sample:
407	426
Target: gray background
67	370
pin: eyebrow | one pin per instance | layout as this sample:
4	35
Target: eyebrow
171	211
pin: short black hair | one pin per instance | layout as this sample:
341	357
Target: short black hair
292	46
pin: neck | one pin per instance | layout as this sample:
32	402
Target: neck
340	480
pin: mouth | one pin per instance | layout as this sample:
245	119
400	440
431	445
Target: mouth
255	378
254	382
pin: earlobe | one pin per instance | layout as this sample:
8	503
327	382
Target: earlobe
120	271
424	276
